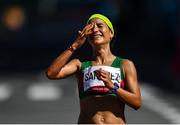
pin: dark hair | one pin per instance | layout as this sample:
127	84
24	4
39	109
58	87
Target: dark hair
113	41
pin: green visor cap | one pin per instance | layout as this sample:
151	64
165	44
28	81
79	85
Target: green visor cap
104	18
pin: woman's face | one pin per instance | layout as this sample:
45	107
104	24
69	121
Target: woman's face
101	34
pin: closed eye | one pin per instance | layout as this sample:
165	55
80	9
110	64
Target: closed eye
100	25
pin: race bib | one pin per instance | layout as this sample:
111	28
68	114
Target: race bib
91	80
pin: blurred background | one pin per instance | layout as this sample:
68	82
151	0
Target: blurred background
34	32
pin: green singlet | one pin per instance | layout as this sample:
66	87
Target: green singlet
98	90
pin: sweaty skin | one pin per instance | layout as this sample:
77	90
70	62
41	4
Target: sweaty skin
99	108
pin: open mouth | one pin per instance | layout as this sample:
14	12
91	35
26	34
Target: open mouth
96	36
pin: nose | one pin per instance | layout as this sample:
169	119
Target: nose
95	28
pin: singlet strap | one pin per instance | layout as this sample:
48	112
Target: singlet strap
117	63
85	64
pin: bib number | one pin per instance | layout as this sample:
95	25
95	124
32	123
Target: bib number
90	76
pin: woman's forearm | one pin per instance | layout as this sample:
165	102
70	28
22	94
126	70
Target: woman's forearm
58	63
131	99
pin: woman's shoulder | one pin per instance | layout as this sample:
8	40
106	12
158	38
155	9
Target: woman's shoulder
124	60
127	62
76	62
82	63
127	65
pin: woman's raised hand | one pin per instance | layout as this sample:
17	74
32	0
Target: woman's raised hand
82	35
87	30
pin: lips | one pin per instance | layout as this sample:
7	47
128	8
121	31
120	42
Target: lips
97	36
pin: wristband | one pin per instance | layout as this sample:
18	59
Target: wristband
114	89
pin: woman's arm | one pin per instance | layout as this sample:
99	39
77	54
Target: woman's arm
60	68
131	96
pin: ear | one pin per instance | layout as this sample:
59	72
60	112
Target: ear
111	35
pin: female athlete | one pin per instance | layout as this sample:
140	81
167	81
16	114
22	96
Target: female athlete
106	83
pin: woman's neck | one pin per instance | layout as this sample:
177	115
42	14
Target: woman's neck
103	55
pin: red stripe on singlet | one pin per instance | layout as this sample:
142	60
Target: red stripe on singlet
99	89
122	84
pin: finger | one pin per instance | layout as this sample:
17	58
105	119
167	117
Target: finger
90	25
104	72
104	75
100	69
86	30
87	27
102	78
80	32
88	33
97	73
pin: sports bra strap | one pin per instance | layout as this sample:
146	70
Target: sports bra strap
85	65
117	63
